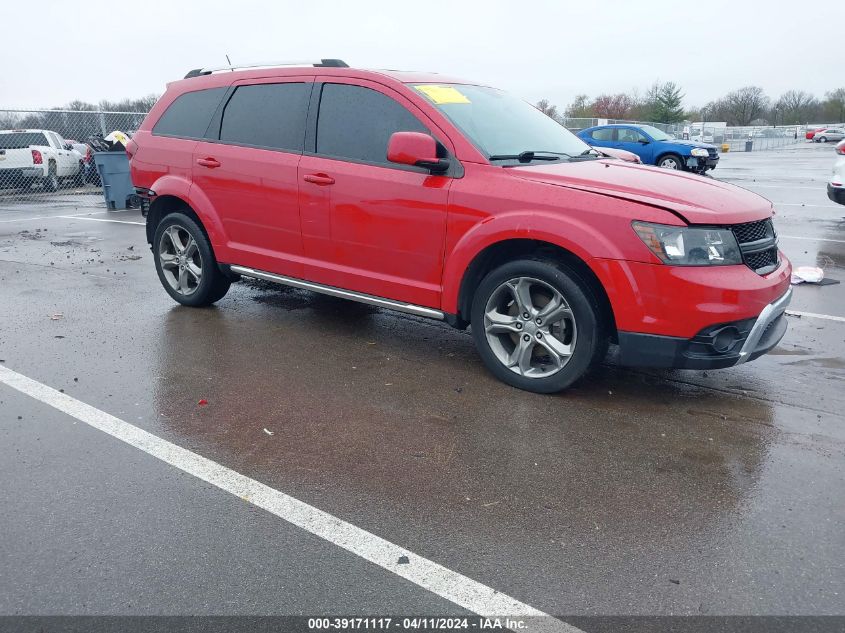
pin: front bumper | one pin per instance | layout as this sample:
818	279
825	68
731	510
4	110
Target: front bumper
837	194
714	347
699	163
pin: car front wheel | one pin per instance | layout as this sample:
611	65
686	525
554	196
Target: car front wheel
185	263
822	139
671	161
537	325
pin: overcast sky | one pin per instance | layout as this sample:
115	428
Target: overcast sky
57	51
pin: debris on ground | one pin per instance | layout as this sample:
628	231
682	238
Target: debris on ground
202	402
56	316
268	432
806	274
404	560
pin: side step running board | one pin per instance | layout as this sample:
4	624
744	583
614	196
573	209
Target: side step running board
381	302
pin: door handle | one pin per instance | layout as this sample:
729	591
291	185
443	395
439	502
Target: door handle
209	162
319	179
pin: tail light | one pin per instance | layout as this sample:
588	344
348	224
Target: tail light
37	159
840	148
88	154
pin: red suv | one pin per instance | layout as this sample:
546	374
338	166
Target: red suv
455	201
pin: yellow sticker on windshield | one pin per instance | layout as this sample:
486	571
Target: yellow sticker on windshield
441	95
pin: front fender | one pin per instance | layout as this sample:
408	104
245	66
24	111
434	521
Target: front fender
566	232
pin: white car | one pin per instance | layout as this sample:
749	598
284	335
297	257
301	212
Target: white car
836	186
829	134
30	156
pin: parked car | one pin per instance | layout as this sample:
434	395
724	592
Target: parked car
37	156
811	133
829	134
654	147
836	186
459	202
90	169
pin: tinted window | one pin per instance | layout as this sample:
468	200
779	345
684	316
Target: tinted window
190	114
357	122
267	115
21	140
604	134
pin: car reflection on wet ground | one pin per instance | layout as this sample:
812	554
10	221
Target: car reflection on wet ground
636	492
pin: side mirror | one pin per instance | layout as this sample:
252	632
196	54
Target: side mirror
68	146
415	148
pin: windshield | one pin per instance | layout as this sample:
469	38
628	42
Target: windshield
21	140
657	135
500	124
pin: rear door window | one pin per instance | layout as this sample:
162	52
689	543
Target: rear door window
267	115
355	123
189	115
604	134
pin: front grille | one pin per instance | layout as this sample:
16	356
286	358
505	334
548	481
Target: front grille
753	231
758	243
712	152
762	260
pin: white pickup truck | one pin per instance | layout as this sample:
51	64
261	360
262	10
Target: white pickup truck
38	156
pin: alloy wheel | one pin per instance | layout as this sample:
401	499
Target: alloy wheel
181	262
530	327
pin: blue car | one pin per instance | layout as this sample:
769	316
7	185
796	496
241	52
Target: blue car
654	147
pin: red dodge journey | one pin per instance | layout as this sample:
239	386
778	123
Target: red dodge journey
456	201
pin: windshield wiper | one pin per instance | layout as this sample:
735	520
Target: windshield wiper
528	156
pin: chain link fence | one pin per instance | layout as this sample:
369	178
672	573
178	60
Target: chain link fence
49	154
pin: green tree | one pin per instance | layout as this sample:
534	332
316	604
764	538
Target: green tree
579	108
834	105
667	102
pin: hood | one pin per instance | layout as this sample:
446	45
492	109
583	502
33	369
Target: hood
697	199
680	141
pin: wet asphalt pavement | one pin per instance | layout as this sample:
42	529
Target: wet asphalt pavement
637	492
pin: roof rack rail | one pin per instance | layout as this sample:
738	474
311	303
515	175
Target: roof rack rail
319	63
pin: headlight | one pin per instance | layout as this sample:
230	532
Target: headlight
700	151
688	246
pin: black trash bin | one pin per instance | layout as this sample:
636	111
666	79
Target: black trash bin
748	145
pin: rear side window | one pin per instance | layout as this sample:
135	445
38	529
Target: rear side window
267	115
355	123
189	115
22	140
605	134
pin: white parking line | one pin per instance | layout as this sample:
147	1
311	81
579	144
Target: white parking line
814	315
424	573
811	239
76	217
50	217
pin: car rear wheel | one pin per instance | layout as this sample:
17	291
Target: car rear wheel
671	161
51	182
822	139
537	325
185	263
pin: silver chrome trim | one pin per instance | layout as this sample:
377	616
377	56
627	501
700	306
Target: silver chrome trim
410	308
769	314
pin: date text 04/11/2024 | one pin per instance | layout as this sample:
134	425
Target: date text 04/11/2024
416	623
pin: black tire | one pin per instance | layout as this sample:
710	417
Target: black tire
213	285
592	340
79	179
673	159
822	139
51	182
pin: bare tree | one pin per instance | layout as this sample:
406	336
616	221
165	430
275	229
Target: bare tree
548	109
796	106
739	107
616	106
579	108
